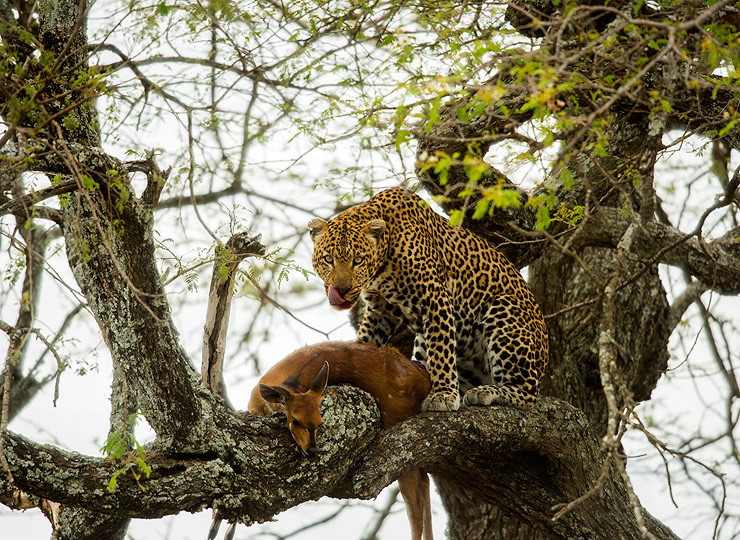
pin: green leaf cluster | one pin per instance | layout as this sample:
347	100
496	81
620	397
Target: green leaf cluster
119	446
543	205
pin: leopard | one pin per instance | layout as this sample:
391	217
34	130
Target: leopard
477	325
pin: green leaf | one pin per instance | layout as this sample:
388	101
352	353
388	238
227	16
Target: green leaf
90	184
481	208
543	218
478	109
566	177
402	136
725	130
162	9
115	446
475	168
387	39
113	480
532	104
433	117
462	114
543	204
456	217
141	461
71	121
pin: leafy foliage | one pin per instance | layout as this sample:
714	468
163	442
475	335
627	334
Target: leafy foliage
122	445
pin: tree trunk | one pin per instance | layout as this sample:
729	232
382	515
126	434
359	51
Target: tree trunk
82	524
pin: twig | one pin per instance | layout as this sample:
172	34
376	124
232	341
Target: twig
383	513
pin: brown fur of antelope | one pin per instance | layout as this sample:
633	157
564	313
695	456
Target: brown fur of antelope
296	384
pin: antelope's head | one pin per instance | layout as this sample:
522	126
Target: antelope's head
301	410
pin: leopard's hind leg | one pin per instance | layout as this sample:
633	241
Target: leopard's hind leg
511	358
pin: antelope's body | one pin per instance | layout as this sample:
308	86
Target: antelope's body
296	384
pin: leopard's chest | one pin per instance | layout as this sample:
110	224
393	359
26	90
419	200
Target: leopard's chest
416	296
408	303
416	303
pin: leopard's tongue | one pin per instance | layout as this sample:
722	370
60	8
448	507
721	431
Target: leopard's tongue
336	299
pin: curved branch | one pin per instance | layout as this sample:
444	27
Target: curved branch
716	263
543	457
22	206
48	156
690	294
244	469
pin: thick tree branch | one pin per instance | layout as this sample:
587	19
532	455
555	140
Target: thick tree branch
543	457
24	385
716	263
80	524
690	294
115	266
538	455
245	468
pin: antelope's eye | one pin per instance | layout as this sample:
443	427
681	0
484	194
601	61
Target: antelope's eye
297	424
359	259
328	259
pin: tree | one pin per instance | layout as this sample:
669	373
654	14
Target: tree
595	144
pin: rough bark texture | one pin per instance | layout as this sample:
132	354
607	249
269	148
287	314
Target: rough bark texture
244	472
115	268
574	368
543	457
79	524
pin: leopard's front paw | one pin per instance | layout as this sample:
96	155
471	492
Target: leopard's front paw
499	395
441	401
480	395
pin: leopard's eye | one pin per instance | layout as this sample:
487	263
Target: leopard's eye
328	259
359	260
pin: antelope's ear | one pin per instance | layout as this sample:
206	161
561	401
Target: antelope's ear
321	380
273	394
316	227
374	229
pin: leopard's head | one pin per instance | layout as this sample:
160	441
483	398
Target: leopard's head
346	256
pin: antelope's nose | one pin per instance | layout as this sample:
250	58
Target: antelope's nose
312	452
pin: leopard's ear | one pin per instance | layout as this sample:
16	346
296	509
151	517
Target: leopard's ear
316	227
374	229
